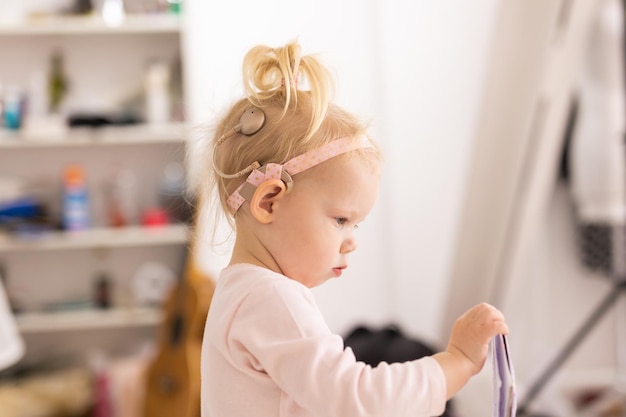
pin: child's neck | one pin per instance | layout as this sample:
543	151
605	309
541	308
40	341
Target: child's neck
249	249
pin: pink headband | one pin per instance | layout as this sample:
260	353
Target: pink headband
293	166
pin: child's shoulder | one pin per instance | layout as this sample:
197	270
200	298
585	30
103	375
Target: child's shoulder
262	284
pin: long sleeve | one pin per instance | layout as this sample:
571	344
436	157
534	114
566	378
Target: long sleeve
279	331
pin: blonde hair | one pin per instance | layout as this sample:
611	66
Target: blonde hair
296	119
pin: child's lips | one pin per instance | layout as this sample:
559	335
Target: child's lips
339	270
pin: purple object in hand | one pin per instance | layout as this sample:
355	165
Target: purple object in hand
504	399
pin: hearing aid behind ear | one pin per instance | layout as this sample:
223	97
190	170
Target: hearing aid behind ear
251	121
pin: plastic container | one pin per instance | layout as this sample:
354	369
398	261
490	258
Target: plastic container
157	93
76	212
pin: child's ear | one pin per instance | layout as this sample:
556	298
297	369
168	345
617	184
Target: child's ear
263	199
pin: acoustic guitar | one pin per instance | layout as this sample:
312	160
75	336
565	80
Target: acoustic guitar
173	377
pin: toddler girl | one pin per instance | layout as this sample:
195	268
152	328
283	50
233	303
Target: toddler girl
295	174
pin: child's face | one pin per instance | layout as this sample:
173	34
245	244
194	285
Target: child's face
314	226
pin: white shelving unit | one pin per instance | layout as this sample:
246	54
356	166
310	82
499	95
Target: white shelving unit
96	238
70	25
88	319
124	135
48	268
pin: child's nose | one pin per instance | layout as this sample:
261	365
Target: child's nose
348	245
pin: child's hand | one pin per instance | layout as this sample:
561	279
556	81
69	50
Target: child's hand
472	333
469	344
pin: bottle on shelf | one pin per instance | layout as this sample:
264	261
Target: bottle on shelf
102	291
174	6
76	214
113	12
13	107
121	198
157	98
57	82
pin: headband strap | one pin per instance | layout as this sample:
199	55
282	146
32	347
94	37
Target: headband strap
294	166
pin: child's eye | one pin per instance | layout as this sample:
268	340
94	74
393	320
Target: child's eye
341	220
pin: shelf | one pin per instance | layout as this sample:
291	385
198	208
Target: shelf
104	136
89	319
97	238
93	24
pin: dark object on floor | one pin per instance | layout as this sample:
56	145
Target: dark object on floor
390	345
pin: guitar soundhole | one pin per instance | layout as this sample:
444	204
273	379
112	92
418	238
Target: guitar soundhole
177	330
166	384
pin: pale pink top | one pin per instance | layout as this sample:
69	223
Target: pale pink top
268	352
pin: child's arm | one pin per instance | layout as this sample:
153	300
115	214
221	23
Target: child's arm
469	344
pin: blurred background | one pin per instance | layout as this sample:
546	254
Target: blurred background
502	128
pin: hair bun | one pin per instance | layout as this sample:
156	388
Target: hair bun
282	72
267	70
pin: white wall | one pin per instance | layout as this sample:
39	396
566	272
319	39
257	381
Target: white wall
433	64
415	68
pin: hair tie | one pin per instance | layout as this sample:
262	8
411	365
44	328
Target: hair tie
294	81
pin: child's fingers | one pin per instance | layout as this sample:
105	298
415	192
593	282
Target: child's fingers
485	313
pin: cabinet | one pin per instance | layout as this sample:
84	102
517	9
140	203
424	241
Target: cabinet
52	276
